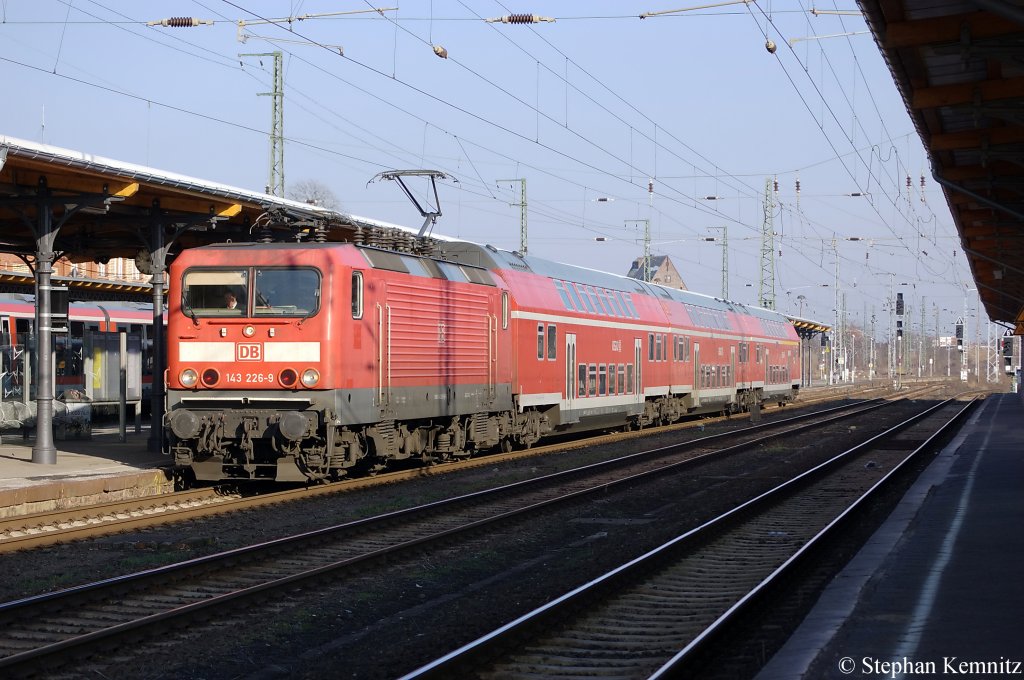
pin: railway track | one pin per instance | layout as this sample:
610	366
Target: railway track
48	528
49	628
669	612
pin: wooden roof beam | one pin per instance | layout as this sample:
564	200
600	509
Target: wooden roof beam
973	139
947	29
960	94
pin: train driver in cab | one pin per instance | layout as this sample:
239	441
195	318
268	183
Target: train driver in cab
230	301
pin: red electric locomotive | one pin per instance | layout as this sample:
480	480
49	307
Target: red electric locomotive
303	361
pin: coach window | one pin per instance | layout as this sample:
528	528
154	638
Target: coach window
540	341
581	381
650	346
592	380
560	287
619	308
629	378
552	342
583	296
602	380
658	350
575	296
757	353
622	379
596	300
628	300
357	295
744	353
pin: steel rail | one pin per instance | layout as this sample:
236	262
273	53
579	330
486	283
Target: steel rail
100	591
27	531
485	649
716	629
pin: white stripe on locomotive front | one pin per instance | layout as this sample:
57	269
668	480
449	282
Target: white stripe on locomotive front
272	351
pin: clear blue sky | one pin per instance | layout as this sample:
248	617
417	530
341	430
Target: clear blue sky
590	106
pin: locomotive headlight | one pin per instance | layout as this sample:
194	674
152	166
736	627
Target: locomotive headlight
189	377
310	377
248	331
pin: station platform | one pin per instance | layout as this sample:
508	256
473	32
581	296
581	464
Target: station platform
936	592
87	471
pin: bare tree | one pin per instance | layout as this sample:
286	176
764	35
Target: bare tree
314	192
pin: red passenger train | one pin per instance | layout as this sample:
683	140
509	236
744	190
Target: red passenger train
339	356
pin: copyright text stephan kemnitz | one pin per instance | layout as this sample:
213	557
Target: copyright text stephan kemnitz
869	666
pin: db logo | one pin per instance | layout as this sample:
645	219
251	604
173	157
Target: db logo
248	351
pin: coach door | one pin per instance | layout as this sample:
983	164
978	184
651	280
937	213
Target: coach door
570	372
696	374
638	370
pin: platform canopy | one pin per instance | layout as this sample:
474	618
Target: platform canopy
958	65
106	208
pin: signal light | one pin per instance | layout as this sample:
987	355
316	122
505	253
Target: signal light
211	377
288	377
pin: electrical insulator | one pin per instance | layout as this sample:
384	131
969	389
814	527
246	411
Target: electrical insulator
181	22
798	186
650	186
899	304
922	188
776	182
520	19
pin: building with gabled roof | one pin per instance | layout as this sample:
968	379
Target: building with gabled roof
662	272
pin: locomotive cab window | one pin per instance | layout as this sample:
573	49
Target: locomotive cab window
286	291
277	291
215	292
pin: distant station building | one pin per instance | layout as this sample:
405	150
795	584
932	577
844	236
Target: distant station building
663	272
115	269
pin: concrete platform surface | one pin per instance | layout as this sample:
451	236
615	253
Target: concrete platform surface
87	471
937	590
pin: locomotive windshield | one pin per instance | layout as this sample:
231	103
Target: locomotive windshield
268	291
287	291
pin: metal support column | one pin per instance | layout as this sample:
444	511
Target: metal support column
158	255
44	450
